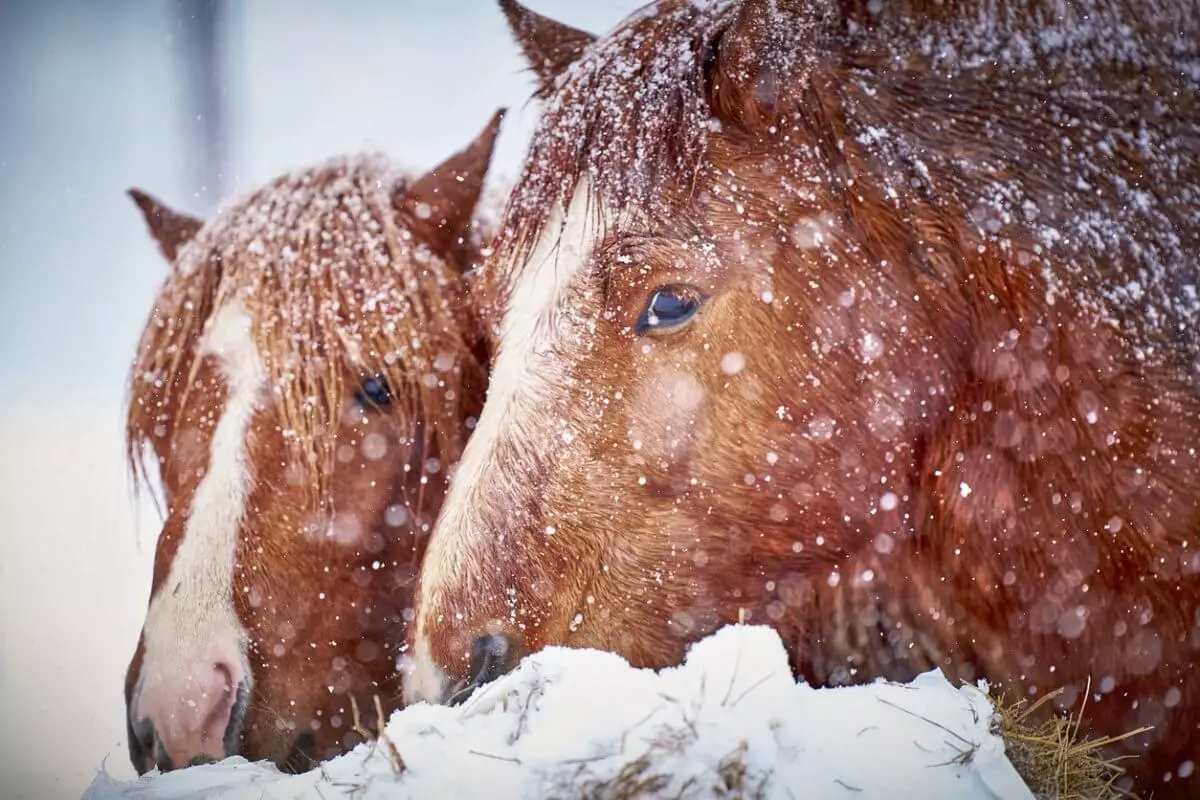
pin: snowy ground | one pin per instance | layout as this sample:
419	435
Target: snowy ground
730	722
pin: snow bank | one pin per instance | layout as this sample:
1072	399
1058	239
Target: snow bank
730	722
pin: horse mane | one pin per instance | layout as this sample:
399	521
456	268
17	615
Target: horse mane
633	116
331	279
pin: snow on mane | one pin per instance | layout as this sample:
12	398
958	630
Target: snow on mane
332	279
730	721
633	115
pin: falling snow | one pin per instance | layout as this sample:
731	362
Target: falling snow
553	721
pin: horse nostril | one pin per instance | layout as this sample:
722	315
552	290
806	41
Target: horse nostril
492	655
191	715
142	741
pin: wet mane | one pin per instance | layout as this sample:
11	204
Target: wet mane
332	279
635	115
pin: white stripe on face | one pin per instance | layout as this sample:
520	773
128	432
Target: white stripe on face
193	612
517	386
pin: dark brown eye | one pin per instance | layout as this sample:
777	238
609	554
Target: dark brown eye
374	393
669	308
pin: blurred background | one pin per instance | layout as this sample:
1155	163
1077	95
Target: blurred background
191	100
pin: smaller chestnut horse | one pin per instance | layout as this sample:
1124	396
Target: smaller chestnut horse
307	377
877	322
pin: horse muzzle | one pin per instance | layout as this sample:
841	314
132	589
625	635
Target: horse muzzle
492	656
193	716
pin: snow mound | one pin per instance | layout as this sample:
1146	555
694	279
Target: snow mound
730	721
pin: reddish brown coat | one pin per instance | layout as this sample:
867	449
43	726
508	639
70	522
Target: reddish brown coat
940	405
347	271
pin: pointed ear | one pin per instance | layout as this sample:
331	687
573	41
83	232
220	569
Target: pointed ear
550	47
765	55
171	229
441	203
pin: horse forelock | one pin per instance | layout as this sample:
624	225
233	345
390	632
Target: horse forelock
332	281
607	124
636	114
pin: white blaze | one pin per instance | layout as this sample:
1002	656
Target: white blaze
517	384
193	612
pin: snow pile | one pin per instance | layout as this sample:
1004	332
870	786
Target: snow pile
730	722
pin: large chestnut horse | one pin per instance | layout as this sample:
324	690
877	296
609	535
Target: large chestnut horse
306	379
876	322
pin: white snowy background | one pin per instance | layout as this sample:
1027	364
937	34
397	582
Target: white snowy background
94	98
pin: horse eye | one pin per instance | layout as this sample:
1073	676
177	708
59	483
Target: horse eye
669	308
374	392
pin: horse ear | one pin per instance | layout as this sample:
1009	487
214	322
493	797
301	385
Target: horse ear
441	203
171	229
550	47
768	49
